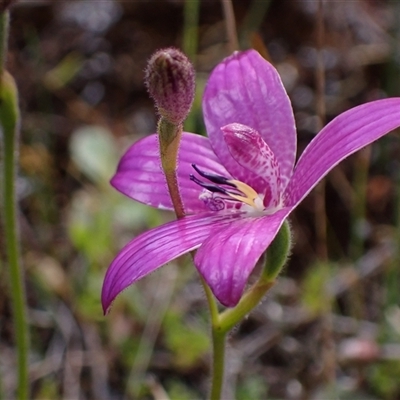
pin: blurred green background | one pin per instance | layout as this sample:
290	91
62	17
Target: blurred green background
334	313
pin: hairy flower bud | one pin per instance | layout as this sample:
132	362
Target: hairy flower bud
170	80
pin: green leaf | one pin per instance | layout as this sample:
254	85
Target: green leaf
63	72
94	152
188	343
315	294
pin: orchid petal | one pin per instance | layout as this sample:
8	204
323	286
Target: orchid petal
228	256
246	89
156	247
248	148
140	176
347	133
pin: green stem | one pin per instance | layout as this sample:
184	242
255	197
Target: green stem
190	45
232	316
9	120
212	304
230	24
218	363
218	341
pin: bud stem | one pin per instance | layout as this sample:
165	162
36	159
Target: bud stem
170	136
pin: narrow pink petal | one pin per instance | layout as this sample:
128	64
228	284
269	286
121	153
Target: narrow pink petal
248	148
140	176
228	256
156	247
343	136
246	89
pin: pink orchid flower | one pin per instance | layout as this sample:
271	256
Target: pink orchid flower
238	185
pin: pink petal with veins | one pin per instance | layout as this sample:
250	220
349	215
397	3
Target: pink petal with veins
244	88
156	247
347	133
228	256
140	176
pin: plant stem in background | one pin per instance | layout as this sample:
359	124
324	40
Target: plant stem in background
328	351
190	28
156	313
9	120
4	27
361	167
320	210
230	23
392	275
252	21
392	272
17	289
190	46
4	23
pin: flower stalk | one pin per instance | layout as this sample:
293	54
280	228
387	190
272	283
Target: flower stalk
218	362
